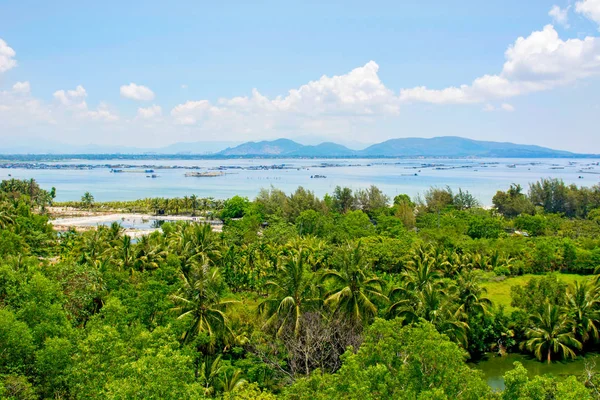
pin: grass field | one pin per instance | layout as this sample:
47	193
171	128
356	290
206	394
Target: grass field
499	291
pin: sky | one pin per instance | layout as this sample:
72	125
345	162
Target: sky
152	73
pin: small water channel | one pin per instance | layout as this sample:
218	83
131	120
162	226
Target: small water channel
494	367
131	223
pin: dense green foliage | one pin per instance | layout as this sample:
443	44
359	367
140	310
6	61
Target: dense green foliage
349	296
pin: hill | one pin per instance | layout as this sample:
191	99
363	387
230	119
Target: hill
444	146
277	147
453	146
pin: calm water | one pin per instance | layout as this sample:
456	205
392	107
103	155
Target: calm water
482	177
495	367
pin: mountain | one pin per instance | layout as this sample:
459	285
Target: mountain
277	147
453	146
327	149
444	146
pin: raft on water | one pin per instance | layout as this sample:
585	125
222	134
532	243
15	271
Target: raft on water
209	174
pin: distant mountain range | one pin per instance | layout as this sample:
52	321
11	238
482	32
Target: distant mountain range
446	146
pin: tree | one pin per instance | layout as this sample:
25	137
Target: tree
471	294
396	362
343	201
513	202
235	207
583	302
550	334
291	293
463	200
199	302
518	386
353	295
87	199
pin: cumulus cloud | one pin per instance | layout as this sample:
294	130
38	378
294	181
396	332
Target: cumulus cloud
137	92
560	15
7	57
102	113
72	98
191	112
360	92
590	9
149	112
507	107
21	87
538	62
74	101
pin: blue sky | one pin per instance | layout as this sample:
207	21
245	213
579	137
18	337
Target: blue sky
361	71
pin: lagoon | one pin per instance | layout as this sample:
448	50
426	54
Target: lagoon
480	176
494	367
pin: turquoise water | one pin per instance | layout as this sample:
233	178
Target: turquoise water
482	177
494	367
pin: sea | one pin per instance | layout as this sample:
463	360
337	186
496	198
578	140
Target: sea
482	177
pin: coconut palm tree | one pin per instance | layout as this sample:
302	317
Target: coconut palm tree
5	218
291	293
87	199
471	295
420	271
551	334
232	381
199	302
583	300
353	294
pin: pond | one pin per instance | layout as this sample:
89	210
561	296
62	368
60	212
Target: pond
130	222
494	367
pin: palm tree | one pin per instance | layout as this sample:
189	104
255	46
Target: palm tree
420	271
194	241
199	301
149	253
551	334
5	218
292	293
353	294
194	203
471	295
230	382
87	199
583	301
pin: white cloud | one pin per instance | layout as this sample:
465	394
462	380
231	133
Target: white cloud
507	107
184	86
538	62
137	92
192	111
74	101
102	113
503	107
21	87
358	93
590	9
7	57
72	98
149	112
560	15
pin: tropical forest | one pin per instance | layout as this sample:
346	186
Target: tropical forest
354	295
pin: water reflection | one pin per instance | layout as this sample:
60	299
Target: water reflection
494	367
